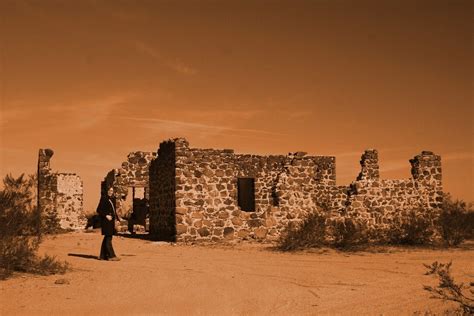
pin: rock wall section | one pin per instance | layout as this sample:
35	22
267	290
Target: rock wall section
205	201
194	192
69	201
380	204
133	173
60	196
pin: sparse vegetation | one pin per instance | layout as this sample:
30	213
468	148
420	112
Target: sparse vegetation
448	289
348	234
454	224
412	230
310	234
456	221
20	230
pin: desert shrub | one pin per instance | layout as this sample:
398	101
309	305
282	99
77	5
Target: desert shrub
47	265
456	221
349	233
412	229
448	289
311	233
20	234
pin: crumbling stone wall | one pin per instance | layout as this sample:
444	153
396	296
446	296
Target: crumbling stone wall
132	174
381	204
60	196
46	196
194	192
205	206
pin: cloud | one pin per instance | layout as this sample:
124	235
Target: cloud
102	161
183	127
175	64
179	66
147	50
458	156
10	115
220	115
295	115
70	115
87	114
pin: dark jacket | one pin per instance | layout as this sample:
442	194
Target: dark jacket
107	207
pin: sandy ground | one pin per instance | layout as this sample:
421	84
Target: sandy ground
241	279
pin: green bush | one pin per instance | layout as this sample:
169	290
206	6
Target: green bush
456	221
20	233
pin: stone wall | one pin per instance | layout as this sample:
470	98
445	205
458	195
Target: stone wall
134	173
69	201
163	192
205	201
60	196
46	195
194	192
380	204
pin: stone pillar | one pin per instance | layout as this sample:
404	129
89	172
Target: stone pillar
427	173
46	192
162	181
369	163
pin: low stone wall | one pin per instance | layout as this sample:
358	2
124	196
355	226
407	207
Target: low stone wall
60	196
380	204
69	201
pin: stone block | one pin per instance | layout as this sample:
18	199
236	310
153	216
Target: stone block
243	233
181	229
260	233
237	221
228	233
203	232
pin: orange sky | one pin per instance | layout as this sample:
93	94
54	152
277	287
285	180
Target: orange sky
94	80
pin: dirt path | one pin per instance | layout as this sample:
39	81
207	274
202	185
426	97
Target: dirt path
158	278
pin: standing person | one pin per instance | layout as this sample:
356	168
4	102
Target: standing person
108	216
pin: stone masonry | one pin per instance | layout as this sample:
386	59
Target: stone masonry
194	193
130	181
60	196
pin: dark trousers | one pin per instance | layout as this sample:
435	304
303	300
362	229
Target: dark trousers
106	250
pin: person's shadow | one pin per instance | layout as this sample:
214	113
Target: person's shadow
80	255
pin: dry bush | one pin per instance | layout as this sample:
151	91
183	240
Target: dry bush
456	221
448	289
20	233
349	234
412	230
311	233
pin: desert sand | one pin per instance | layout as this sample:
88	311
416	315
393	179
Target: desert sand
238	279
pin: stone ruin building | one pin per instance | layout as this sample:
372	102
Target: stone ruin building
60	196
208	194
131	186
